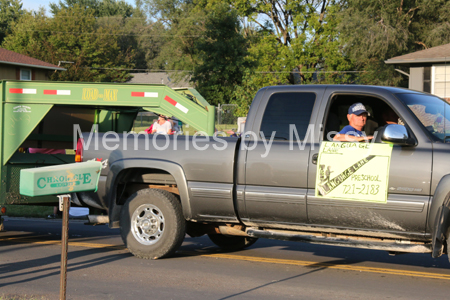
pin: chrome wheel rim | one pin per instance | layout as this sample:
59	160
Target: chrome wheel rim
147	224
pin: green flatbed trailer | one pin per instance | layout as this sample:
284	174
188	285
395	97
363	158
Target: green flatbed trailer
42	114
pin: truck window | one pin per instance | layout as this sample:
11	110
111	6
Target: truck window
432	112
284	109
380	113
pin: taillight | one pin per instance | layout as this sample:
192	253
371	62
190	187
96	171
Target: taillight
79	151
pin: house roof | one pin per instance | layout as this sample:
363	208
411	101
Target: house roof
13	58
159	78
437	54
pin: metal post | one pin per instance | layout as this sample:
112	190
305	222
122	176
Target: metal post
64	205
219	110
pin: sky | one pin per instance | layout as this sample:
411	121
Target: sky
35	4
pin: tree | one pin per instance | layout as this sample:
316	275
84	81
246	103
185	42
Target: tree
282	42
100	8
373	31
222	52
297	39
137	34
244	93
203	42
73	36
141	35
180	27
10	11
289	42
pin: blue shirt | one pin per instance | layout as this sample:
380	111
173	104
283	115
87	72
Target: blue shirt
349	130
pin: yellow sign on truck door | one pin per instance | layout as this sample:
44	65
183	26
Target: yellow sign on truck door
353	171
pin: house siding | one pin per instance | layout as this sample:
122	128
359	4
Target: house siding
7	72
13	73
416	78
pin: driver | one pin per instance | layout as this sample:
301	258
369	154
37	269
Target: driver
357	118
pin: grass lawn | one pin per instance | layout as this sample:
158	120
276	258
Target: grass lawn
29	211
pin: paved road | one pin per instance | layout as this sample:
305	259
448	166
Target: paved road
101	268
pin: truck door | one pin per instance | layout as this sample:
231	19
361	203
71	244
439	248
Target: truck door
409	179
275	184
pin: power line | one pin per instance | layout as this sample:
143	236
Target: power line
113	34
127	18
128	69
258	72
309	72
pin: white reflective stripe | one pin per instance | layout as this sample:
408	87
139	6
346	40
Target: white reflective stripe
151	95
62	92
181	107
28	91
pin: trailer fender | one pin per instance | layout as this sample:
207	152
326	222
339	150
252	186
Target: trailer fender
120	165
439	216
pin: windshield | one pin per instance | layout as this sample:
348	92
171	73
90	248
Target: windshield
432	112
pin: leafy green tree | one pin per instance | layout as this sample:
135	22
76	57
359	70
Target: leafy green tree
101	8
137	34
298	38
290	42
222	52
204	43
10	11
73	36
281	42
373	31
180	27
142	35
244	93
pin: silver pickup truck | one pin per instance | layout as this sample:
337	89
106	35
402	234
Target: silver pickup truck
157	188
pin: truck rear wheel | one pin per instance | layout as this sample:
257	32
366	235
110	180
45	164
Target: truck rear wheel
152	224
231	243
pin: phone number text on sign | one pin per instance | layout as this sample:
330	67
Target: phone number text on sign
353	171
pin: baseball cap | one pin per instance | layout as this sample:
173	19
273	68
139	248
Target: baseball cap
357	109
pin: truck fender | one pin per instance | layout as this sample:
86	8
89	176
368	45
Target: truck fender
118	166
439	216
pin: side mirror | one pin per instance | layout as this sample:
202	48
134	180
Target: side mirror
397	135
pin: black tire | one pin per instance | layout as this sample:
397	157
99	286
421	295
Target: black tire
231	243
152	224
447	250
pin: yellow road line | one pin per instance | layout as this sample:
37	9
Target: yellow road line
308	264
29	240
319	265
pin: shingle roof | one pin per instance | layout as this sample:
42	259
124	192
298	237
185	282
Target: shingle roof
159	78
13	58
431	55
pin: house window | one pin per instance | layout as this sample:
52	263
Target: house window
25	74
441	81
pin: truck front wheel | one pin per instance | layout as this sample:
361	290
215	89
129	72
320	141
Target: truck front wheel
448	244
231	243
152	224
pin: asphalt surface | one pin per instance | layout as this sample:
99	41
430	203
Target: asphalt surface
99	267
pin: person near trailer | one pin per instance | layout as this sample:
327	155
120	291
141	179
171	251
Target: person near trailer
163	126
